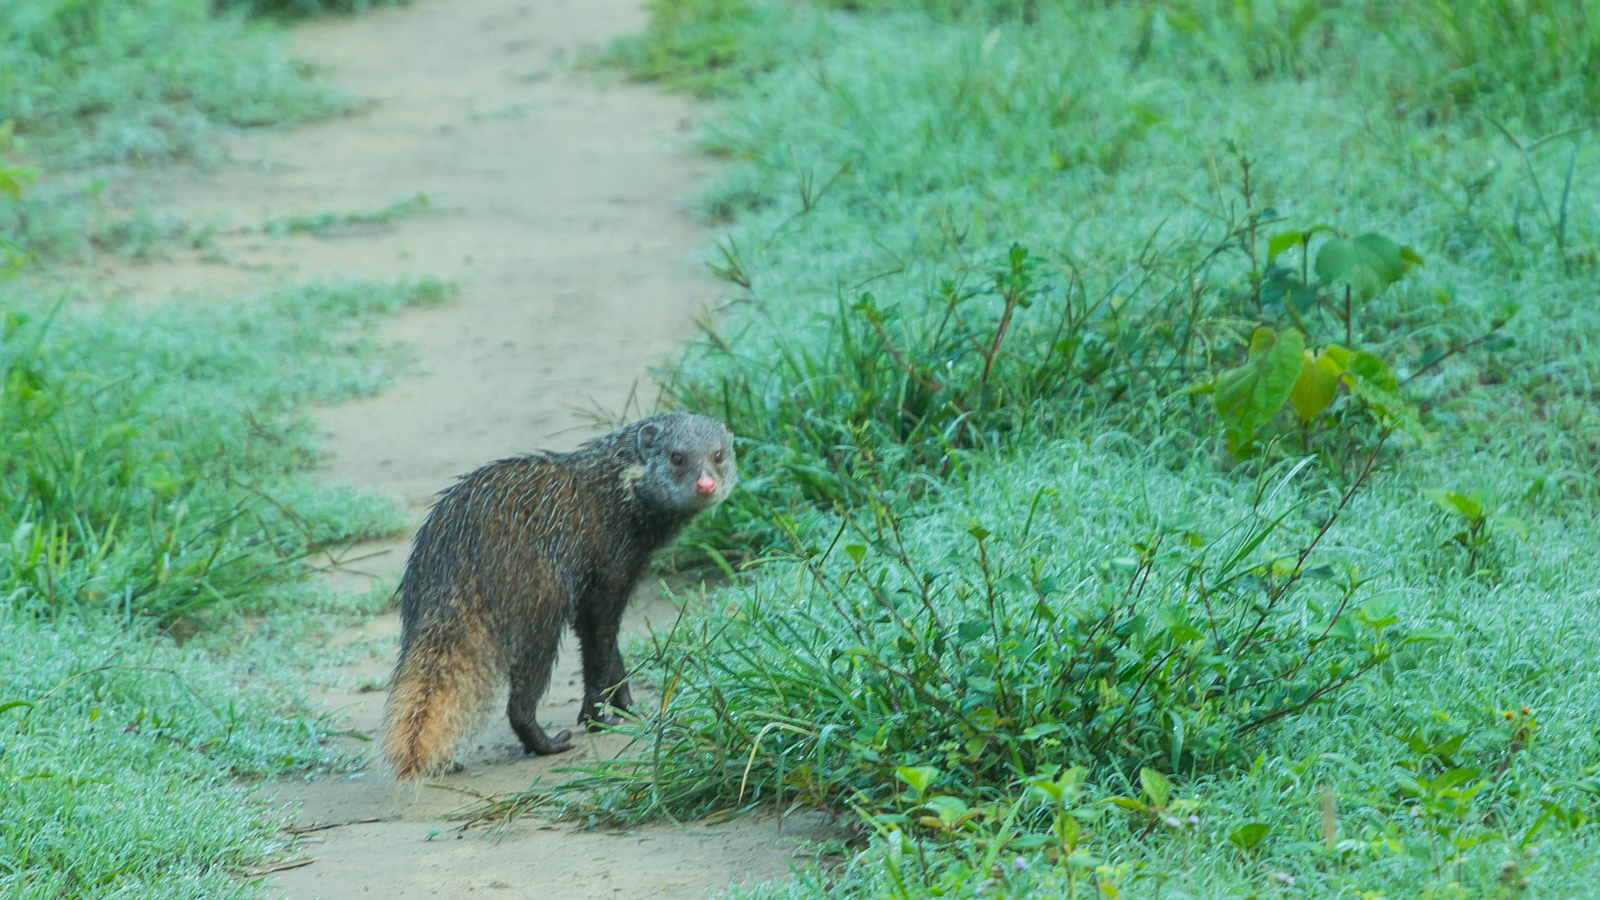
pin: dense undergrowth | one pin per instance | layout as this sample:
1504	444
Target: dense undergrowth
1169	447
154	466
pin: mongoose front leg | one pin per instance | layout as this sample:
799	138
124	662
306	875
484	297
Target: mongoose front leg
617	676
605	678
529	678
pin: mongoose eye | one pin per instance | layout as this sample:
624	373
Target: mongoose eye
717	456
677	459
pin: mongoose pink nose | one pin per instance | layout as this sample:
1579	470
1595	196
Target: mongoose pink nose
705	485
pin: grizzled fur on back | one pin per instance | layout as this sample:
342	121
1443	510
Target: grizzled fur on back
523	547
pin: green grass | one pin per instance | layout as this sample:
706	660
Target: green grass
155	462
155	467
123	776
1019	496
89	87
155	486
92	81
323	221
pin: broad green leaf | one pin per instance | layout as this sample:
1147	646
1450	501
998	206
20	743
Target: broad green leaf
1451	779
918	777
1251	394
1047	790
1339	260
856	552
1317	385
1247	836
1384	257
1374	369
945	807
1440	498
1281	242
1368	263
1263	340
1284	288
1183	633
1452	502
1156	787
970	631
1034	732
1377	612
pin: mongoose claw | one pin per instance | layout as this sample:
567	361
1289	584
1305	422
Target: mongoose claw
561	743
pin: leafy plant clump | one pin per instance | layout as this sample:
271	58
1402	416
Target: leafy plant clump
1029	638
708	47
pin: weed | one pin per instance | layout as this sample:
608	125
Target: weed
323	221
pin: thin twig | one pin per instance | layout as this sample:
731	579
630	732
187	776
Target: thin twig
260	871
307	829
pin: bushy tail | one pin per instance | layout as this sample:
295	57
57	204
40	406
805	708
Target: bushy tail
441	686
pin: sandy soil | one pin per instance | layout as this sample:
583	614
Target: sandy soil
558	200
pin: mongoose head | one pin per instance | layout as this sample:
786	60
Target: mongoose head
688	461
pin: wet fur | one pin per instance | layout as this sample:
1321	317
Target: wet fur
518	550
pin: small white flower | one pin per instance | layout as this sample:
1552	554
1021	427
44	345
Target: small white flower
1019	863
1173	822
1283	878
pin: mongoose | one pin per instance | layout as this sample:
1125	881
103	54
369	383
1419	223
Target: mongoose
513	553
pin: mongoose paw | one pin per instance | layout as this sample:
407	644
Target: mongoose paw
561	743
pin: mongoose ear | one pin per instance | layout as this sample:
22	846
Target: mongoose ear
647	439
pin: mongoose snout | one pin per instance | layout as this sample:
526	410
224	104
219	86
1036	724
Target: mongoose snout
521	548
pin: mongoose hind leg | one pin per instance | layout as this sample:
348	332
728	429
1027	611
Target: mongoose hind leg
529	678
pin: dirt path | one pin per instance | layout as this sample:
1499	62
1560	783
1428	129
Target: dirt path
558	201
